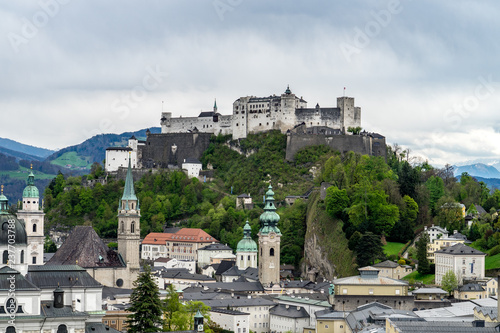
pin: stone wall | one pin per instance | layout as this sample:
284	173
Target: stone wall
363	144
162	150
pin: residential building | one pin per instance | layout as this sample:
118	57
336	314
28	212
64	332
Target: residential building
170	263
393	325
181	278
117	157
436	232
429	294
244	201
230	320
330	321
470	291
286	318
440	244
393	270
182	245
206	253
466	262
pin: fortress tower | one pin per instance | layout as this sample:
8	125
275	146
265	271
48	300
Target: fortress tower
129	227
33	218
269	243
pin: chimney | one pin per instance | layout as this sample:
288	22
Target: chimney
58	298
298	308
287	306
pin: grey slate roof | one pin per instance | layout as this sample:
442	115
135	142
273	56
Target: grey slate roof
289	311
460	249
191	160
65	276
215	246
238	302
224	266
84	248
458	236
119	148
99	328
235	286
429	291
436	326
111	292
229	312
20	281
471	287
375	313
183	273
330	314
49	311
490	311
386	264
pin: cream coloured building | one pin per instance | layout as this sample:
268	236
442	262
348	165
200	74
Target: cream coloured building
466	262
392	269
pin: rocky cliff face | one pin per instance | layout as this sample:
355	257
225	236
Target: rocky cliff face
326	254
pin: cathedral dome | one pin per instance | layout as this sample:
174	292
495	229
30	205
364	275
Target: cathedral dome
247	244
20	230
31	191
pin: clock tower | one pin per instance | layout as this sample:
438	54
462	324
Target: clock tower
269	243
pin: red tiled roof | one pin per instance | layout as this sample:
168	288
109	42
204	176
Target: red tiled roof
187	235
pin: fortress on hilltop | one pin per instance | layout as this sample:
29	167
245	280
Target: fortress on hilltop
186	138
259	114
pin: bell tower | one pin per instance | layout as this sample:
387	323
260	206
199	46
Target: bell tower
129	228
269	243
33	218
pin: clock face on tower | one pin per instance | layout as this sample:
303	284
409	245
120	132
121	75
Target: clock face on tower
200	328
271	236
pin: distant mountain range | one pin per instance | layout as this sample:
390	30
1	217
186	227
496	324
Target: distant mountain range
14	146
478	170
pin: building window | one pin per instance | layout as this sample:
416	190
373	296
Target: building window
62	329
34	227
34	260
271	252
5	257
344	291
11	329
22	257
326	326
122	226
132	227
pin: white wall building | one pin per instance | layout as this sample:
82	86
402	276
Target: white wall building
169	263
467	263
286	318
192	167
117	157
436	232
236	321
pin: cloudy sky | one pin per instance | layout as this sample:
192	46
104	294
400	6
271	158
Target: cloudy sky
426	74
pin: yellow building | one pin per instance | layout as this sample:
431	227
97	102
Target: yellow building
392	269
470	291
329	321
440	244
353	291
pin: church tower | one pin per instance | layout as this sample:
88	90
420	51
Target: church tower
33	218
246	251
129	228
269	243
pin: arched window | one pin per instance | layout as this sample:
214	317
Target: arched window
122	226
271	252
62	329
11	329
132	227
22	256
34	227
5	257
132	205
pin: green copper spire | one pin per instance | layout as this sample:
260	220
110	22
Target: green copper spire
31	191
128	191
288	91
247	244
215	105
269	219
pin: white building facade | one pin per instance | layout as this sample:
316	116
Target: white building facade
467	263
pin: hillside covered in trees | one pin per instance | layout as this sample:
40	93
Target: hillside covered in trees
369	201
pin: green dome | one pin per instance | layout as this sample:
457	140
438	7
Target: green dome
20	230
247	244
31	191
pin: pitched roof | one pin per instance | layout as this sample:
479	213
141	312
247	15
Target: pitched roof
375	280
224	266
429	291
64	276
215	246
186	235
21	282
191	160
285	310
387	264
460	249
85	248
471	287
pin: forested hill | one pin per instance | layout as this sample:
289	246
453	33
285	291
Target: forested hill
14	146
94	149
370	201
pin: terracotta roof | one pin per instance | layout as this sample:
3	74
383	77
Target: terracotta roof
187	235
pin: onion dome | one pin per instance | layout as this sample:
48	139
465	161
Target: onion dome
247	244
269	219
31	191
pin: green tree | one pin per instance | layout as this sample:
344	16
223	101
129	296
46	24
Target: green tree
336	201
436	189
449	281
369	249
49	246
145	305
421	244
